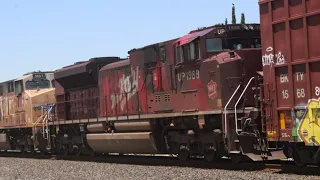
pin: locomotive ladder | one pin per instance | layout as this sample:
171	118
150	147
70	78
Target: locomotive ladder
42	120
235	106
225	111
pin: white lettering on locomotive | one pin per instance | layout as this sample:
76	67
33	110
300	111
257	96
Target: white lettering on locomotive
189	75
221	31
128	85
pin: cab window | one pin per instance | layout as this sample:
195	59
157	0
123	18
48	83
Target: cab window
221	44
18	87
255	43
214	44
178	55
40	84
1	90
10	87
191	51
235	43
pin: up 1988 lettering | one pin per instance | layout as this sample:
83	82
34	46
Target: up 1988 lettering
189	75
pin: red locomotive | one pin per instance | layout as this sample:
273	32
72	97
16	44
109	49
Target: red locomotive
168	97
213	92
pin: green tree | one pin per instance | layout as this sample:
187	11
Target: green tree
226	22
234	20
243	19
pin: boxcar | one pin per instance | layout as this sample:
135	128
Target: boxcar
290	34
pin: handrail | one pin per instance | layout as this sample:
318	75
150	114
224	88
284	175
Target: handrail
235	106
225	108
44	118
46	122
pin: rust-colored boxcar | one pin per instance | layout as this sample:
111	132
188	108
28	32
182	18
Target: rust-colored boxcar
290	34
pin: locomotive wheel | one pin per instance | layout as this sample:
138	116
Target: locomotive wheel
298	160
183	155
210	156
22	149
76	150
32	150
64	150
288	151
237	158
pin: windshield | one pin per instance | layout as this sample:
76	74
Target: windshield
220	44
41	84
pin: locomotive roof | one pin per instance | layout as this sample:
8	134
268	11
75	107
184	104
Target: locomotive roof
25	76
44	72
81	67
115	65
149	46
192	35
84	63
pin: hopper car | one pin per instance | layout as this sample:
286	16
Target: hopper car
235	90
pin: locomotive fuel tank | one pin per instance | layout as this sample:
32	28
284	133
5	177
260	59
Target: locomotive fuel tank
141	125
97	127
141	143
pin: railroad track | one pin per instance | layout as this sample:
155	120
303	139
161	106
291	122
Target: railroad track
287	167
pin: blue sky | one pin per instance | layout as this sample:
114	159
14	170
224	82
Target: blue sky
46	35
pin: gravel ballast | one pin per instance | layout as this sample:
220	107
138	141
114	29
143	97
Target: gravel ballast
22	168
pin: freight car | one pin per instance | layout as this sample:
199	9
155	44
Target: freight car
290	57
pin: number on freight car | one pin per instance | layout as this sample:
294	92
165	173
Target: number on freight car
285	94
301	93
283	85
189	75
317	91
284	79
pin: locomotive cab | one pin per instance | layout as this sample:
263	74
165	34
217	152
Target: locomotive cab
206	42
23	98
216	60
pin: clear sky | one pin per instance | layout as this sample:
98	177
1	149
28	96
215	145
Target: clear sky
47	35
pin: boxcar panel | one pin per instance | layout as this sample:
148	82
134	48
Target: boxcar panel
297	40
312	5
313	24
